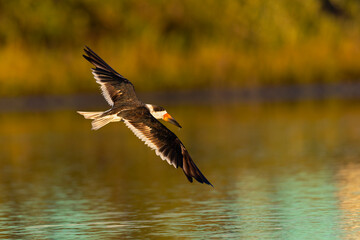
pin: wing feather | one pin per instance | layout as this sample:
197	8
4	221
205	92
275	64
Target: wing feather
165	143
114	87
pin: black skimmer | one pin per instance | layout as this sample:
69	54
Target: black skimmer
139	117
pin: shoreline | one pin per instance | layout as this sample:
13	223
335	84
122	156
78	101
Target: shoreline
269	94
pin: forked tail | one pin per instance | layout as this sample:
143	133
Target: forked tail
100	120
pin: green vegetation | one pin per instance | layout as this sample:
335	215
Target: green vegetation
187	44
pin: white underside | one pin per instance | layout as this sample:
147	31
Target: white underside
99	122
102	121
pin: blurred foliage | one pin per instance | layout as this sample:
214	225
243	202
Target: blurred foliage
163	45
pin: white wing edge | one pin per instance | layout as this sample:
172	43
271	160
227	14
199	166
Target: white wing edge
147	141
104	91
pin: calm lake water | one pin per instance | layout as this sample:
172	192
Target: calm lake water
283	171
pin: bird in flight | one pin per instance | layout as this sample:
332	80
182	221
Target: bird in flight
140	118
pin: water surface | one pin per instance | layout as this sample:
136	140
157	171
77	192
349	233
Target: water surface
284	171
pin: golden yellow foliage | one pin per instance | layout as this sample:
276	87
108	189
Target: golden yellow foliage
161	45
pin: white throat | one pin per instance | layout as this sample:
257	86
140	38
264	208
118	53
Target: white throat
156	114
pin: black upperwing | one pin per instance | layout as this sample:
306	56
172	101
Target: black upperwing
165	143
114	87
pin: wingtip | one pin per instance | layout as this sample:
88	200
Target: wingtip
88	52
208	183
203	178
86	57
97	61
190	169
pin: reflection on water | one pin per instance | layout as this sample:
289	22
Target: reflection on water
349	198
279	171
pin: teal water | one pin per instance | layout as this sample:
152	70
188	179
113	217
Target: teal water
279	171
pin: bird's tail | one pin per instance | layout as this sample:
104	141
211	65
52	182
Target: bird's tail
90	115
100	120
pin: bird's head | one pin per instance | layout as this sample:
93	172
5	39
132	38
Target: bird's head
160	113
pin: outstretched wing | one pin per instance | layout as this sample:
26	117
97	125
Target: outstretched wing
115	88
165	143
